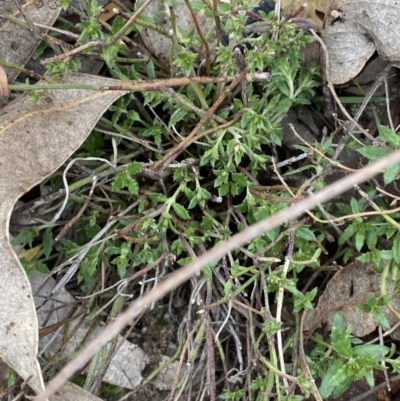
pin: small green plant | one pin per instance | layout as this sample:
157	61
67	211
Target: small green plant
347	359
138	222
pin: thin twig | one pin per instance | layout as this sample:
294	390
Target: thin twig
140	86
288	259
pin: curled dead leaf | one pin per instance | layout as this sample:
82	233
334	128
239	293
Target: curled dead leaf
353	31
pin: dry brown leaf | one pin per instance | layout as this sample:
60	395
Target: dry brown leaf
348	288
17	44
34	141
353	31
72	392
159	44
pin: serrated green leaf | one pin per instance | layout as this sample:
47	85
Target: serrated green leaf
121	267
384	300
181	211
26	235
392	137
262	213
223	190
124	180
340	388
284	105
156	197
347	233
133	115
224	7
47	241
364	308
366	257
354	206
340	376
197	5
185	261
109	54
41	267
240	179
150	70
360	237
177	116
374	350
391	173
369	377
118	23
396	248
228	288
134	168
193	202
133	186
221	179
386	255
119	182
338	324
373	153
305	233
382	319
326	387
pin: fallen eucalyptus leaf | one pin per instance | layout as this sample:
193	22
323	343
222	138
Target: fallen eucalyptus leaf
160	45
35	140
353	31
17	43
347	289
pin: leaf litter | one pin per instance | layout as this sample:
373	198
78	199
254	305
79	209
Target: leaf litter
347	289
346	281
36	139
354	30
18	43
